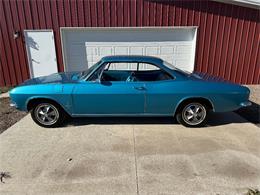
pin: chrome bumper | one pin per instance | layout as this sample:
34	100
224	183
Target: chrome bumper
245	104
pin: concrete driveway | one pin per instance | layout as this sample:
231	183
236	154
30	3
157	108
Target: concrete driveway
131	156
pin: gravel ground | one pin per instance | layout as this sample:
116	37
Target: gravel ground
8	115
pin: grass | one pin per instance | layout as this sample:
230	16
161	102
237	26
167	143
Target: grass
5	89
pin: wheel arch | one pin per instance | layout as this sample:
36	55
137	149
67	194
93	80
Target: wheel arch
186	100
34	100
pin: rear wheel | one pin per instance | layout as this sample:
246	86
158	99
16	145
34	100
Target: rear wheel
48	114
192	114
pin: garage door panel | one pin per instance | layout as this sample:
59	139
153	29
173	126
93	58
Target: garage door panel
105	50
92	50
77	50
151	50
167	50
184	49
78	65
175	45
92	59
182	64
121	50
135	50
169	53
130	34
167	58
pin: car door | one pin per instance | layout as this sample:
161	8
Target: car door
108	98
161	97
160	91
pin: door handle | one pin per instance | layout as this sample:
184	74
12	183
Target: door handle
140	88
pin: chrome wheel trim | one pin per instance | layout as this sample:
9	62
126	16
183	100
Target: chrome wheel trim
194	114
46	114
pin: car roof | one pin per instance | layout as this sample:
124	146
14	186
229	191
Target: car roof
132	58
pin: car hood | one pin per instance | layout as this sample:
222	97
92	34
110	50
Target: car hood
65	77
207	77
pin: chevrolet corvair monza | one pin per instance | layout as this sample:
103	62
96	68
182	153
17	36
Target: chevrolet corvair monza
128	86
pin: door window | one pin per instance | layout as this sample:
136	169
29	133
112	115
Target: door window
130	72
125	66
146	67
119	71
149	72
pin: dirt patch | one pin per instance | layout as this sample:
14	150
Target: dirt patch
4	89
8	115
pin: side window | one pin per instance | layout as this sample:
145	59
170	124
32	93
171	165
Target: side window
95	75
119	71
149	72
145	67
130	72
125	66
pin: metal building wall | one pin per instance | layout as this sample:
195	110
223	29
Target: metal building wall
228	35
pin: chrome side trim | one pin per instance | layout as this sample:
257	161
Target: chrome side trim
119	115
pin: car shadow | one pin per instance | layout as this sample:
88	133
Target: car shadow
120	120
251	113
214	119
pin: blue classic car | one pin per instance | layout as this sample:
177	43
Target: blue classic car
128	86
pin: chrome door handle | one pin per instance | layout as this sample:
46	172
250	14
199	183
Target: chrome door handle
140	88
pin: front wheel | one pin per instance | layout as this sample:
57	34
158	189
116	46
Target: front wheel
48	114
193	114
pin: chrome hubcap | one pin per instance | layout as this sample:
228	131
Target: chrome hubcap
194	114
46	114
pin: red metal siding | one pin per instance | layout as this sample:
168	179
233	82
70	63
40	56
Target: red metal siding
227	40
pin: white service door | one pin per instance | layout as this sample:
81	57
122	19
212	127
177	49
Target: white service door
41	52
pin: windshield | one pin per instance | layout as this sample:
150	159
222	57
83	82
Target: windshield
84	73
170	66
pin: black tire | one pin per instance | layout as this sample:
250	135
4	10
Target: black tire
58	119
182	117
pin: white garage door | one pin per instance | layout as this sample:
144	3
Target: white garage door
85	46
